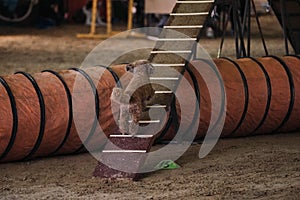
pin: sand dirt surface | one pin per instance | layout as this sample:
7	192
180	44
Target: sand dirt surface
261	167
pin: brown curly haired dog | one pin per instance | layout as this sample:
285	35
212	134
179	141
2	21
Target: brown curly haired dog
133	99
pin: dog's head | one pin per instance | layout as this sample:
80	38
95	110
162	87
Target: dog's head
140	66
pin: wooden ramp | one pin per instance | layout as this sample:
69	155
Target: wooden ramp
169	58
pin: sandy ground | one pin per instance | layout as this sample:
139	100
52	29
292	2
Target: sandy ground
261	167
264	167
32	50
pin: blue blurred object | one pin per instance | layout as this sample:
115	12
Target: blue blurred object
44	23
11	5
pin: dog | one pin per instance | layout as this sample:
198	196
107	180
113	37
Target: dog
133	99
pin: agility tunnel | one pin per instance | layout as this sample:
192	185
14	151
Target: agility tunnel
36	111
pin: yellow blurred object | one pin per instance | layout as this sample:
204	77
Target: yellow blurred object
109	31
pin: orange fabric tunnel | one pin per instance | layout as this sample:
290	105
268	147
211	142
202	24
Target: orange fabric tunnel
261	94
37	112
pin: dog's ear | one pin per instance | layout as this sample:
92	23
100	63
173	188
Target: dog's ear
130	68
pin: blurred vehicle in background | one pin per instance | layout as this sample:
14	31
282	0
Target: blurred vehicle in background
15	11
42	13
45	13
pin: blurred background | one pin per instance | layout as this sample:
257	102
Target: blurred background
35	12
41	34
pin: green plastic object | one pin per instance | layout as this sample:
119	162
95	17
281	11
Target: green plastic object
167	164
